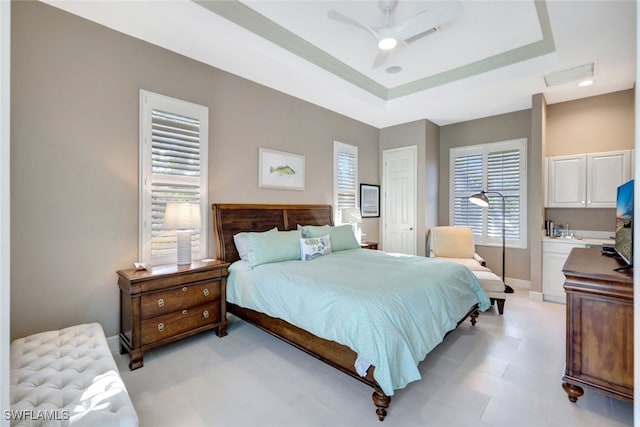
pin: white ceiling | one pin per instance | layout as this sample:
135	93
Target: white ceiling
490	60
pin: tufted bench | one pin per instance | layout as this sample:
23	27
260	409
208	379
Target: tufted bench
67	378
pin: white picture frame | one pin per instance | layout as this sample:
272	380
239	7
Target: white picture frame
280	170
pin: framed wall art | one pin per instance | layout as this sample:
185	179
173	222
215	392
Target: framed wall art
370	200
280	170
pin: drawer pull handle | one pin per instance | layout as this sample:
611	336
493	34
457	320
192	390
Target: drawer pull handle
184	312
206	292
161	327
160	302
206	314
184	289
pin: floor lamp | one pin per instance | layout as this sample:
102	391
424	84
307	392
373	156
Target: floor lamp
482	200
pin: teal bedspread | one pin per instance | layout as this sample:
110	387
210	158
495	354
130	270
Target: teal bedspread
390	309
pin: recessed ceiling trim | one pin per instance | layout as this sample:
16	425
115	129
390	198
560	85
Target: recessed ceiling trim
510	57
249	19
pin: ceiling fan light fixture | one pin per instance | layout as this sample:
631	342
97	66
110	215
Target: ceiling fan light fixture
387	43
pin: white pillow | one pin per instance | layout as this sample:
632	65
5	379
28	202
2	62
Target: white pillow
242	246
313	247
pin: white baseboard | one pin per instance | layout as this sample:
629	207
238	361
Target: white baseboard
535	295
112	341
518	283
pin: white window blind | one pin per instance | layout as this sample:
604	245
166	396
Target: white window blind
345	181
173	168
495	167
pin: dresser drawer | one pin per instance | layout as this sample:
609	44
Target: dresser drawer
168	325
157	303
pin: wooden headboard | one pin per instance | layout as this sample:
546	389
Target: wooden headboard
230	219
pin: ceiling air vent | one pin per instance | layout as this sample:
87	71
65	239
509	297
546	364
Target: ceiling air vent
570	75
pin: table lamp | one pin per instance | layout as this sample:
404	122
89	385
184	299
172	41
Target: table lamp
184	218
352	216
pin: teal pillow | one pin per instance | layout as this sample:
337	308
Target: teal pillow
274	246
240	240
342	236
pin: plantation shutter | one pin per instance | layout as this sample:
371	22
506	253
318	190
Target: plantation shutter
503	176
345	177
494	167
467	180
175	153
346	181
173	162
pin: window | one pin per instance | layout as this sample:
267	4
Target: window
494	167
345	178
173	168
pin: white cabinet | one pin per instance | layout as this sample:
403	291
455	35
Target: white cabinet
554	255
586	180
566	181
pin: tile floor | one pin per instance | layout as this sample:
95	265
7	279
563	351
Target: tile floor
504	372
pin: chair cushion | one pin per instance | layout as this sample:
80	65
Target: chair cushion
470	263
490	282
452	242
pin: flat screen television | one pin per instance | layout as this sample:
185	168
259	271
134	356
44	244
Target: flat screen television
624	222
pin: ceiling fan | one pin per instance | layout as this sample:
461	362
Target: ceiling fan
392	37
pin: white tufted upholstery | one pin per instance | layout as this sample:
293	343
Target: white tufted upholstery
69	375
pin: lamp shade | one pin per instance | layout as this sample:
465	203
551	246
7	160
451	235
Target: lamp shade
351	215
182	216
480	199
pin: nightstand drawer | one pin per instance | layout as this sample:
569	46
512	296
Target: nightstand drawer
168	325
157	303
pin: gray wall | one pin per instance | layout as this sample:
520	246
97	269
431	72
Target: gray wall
535	190
497	128
74	157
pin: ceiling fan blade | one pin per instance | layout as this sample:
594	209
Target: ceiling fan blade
384	56
427	21
381	58
340	17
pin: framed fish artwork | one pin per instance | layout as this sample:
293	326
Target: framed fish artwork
280	170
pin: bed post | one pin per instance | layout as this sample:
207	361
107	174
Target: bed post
381	401
474	316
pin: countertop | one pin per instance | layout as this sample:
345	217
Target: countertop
586	240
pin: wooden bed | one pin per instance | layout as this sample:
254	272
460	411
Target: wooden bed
229	219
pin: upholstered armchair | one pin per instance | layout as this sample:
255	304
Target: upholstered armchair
456	244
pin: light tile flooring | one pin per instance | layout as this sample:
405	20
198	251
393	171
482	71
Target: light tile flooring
504	372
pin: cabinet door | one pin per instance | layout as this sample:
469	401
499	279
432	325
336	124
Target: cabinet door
566	181
605	172
552	277
554	256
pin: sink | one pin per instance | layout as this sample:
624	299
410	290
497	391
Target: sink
568	238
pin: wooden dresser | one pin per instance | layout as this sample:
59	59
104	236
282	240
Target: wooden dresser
170	302
599	325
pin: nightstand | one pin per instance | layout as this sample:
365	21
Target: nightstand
170	302
369	245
